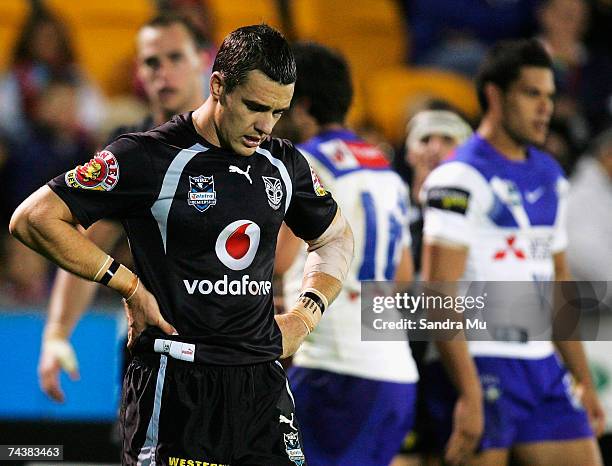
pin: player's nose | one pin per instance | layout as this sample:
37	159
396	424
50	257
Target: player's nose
265	123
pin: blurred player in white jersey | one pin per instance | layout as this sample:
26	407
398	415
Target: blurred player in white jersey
495	212
355	399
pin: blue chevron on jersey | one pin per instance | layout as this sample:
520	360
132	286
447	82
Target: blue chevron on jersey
531	184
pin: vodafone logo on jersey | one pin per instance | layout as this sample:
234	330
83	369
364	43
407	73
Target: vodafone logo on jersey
237	244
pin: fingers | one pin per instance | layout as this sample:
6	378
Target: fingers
165	326
459	448
49	381
57	354
598	421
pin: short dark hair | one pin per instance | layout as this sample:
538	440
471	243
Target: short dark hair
257	47
503	63
324	79
167	19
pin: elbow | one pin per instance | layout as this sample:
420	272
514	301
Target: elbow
21	222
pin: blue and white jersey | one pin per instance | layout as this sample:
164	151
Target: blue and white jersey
509	214
373	198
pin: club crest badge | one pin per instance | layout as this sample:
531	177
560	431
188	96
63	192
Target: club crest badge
100	174
316	184
274	191
293	448
202	194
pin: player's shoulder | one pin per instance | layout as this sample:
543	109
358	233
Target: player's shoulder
342	152
456	172
546	163
178	131
144	125
278	148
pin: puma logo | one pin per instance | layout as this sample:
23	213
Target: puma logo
283	420
235	169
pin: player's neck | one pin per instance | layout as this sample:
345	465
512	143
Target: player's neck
160	115
204	122
503	143
331	127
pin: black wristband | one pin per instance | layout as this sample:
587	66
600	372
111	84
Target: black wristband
315	298
110	273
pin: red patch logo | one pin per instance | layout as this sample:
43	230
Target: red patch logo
510	249
316	184
101	173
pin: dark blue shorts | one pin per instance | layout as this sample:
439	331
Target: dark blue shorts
525	401
349	421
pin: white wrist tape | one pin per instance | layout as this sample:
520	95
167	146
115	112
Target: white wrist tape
332	252
63	351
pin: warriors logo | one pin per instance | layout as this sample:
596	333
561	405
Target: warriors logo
101	173
274	191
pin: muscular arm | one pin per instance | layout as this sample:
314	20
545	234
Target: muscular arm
443	262
327	264
574	357
44	223
287	248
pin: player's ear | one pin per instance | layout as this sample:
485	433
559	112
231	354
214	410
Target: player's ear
217	85
494	97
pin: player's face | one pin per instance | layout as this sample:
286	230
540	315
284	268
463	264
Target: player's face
245	117
170	68
431	149
528	105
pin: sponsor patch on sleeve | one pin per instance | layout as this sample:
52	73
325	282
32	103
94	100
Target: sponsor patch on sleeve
453	199
100	174
316	184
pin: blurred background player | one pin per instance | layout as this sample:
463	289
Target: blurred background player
171	65
354	399
513	199
592	187
431	136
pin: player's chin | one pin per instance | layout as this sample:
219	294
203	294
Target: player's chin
538	139
244	150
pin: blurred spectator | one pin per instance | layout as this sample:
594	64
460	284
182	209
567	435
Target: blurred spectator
583	77
52	143
454	34
42	53
198	14
589	217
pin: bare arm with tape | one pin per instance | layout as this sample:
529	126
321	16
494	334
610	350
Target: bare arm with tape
327	264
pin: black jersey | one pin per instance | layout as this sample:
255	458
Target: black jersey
202	223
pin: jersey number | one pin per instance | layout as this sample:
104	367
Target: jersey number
367	271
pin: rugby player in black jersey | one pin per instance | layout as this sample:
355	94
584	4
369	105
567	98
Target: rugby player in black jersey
202	198
171	62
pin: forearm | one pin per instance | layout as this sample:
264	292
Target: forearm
574	357
460	366
72	295
327	264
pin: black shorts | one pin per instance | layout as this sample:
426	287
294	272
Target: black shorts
180	413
